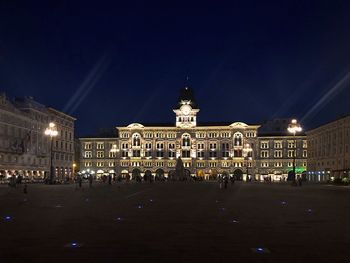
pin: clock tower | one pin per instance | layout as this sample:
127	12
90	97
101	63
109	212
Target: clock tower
186	109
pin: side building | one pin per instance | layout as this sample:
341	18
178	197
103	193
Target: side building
329	150
24	148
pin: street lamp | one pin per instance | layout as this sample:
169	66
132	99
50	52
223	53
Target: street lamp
246	152
74	165
114	149
293	128
52	132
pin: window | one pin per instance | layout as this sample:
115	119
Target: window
136	140
238	139
264	154
200	135
237	153
171	135
125	146
160	145
100	164
264	164
160	154
172	154
88	154
171	145
171	164
200	164
212	154
148	145
100	154
225	135
212	146
264	145
125	154
200	154
112	154
212	164
291	144
225	164
87	164
186	154
148	153
87	145
304	153
100	145
136	153
278	164
278	154
291	153
186	140
304	144
200	146
225	150
278	144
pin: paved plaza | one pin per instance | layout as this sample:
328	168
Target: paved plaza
175	222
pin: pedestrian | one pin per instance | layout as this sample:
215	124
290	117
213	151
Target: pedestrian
25	189
80	181
300	181
220	182
90	181
225	181
109	179
232	179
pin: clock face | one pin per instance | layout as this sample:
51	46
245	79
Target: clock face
186	109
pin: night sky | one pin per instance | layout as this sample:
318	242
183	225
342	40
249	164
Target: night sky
109	64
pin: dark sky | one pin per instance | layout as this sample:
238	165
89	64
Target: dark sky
109	64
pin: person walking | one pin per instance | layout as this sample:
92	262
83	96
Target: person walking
232	179
220	182
80	180
225	182
109	179
90	181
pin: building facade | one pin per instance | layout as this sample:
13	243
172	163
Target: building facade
329	150
24	148
206	149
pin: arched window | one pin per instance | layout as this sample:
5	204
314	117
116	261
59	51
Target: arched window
186	140
238	139
136	140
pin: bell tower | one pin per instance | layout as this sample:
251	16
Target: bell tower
186	109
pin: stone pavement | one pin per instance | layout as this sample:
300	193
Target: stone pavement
175	222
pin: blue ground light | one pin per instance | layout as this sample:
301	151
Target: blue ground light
260	250
73	245
119	219
140	206
235	221
309	210
283	202
7	218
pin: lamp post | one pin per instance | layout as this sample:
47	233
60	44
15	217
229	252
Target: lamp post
74	165
293	128
246	152
114	149
52	132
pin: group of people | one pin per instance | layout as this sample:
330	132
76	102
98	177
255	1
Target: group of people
223	181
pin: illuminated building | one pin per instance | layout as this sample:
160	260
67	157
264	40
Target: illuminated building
24	148
206	149
329	150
